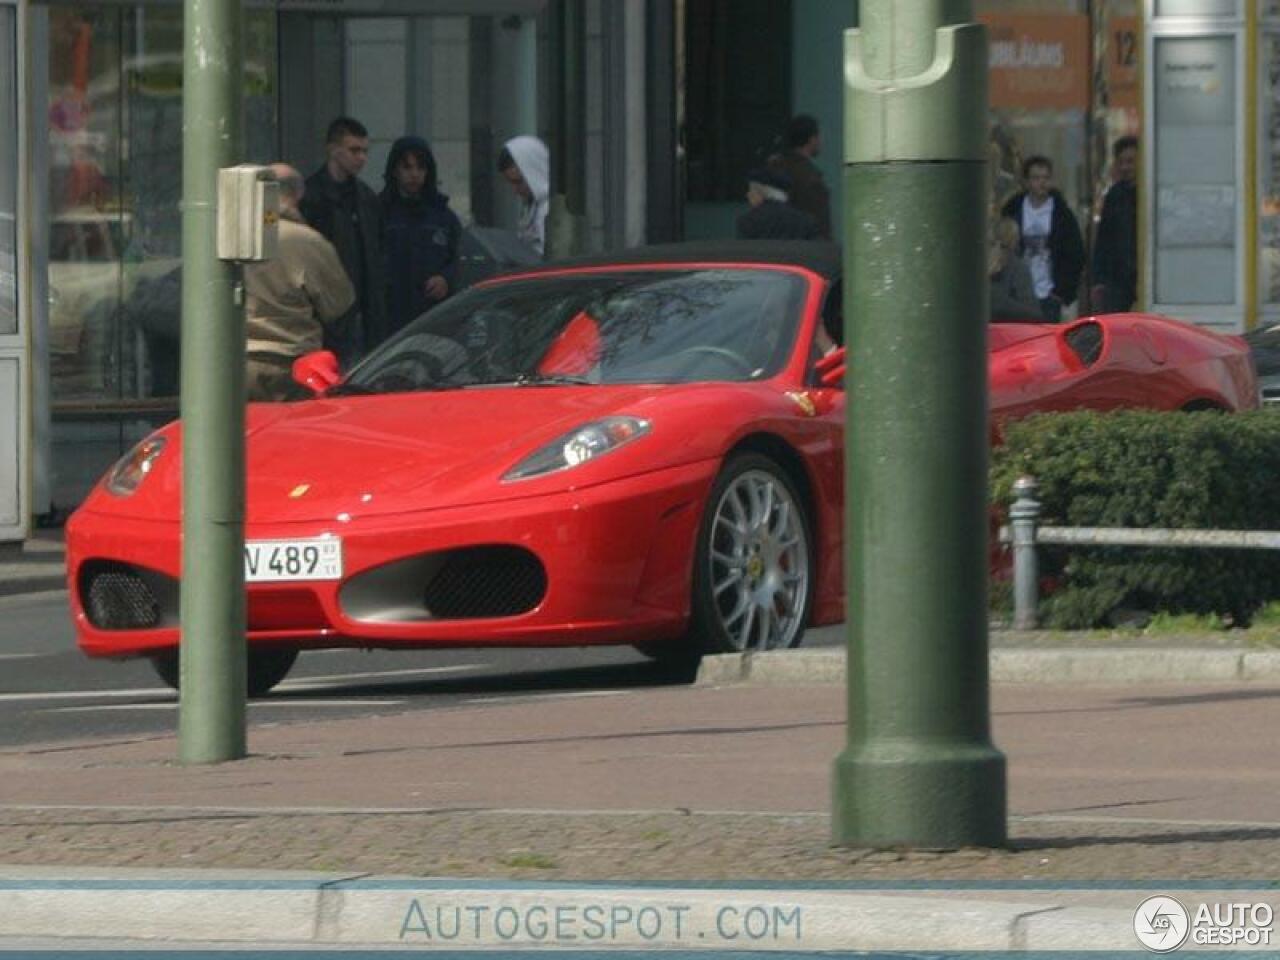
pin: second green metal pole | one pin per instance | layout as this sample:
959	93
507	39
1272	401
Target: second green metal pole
211	723
919	768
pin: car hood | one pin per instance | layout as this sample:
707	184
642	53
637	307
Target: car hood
367	456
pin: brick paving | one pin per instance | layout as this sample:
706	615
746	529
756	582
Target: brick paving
1169	782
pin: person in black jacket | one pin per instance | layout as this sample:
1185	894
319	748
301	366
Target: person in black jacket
770	216
1115	252
1051	241
421	233
808	190
346	211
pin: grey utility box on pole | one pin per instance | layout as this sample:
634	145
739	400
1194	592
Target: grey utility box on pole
919	768
248	213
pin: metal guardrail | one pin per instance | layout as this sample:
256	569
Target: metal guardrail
1025	533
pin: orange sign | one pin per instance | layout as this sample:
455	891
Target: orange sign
1122	62
1038	61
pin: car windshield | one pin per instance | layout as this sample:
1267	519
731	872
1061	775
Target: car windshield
641	326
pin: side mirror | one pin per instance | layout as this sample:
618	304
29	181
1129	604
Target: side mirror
317	371
830	368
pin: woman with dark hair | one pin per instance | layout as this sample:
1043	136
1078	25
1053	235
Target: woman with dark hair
421	233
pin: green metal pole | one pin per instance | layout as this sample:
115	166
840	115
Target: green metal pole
211	723
919	768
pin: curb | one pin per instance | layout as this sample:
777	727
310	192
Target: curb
32	578
345	910
1105	665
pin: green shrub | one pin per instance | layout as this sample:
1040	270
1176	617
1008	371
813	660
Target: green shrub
1145	469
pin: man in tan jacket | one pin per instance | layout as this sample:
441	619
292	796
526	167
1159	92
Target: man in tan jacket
290	298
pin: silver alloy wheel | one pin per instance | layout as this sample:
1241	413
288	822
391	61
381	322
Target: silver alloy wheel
759	563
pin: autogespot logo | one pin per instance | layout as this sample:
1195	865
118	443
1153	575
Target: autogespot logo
1161	924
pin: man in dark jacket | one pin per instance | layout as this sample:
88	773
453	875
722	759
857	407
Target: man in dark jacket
808	190
1051	241
421	233
347	212
770	216
1115	252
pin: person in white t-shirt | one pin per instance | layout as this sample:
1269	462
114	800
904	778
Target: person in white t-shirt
1052	245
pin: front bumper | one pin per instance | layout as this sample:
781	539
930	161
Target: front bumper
617	559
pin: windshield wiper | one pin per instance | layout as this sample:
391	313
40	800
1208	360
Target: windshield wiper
533	380
552	379
357	389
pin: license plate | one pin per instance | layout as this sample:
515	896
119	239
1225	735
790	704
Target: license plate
268	561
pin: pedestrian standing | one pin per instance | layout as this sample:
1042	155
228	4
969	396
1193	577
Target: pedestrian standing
771	217
347	212
421	233
1012	290
1051	241
1115	250
291	298
526	164
808	191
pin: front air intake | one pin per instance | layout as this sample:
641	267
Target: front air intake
116	597
497	581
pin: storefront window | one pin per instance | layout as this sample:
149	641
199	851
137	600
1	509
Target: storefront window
8	172
85	212
1116	95
115	135
1039	82
1039	91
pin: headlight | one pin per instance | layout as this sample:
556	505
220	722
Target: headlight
133	467
589	441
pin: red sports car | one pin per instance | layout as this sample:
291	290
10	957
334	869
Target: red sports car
639	450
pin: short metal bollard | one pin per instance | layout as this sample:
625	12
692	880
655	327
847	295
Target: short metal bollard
1023	515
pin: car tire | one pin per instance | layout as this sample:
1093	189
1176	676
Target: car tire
753	574
265	668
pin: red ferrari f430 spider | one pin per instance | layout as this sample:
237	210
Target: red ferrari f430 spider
641	450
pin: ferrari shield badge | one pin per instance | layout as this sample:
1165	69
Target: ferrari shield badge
802	400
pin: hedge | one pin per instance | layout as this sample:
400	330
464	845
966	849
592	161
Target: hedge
1145	469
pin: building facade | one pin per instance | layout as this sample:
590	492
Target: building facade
90	188
675	100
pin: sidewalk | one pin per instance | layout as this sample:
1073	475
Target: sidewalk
1114	793
705	783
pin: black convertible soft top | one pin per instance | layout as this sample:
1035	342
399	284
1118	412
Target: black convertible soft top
822	258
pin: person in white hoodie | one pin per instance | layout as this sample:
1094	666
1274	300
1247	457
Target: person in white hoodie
526	164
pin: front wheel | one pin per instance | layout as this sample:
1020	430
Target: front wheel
752	577
265	668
